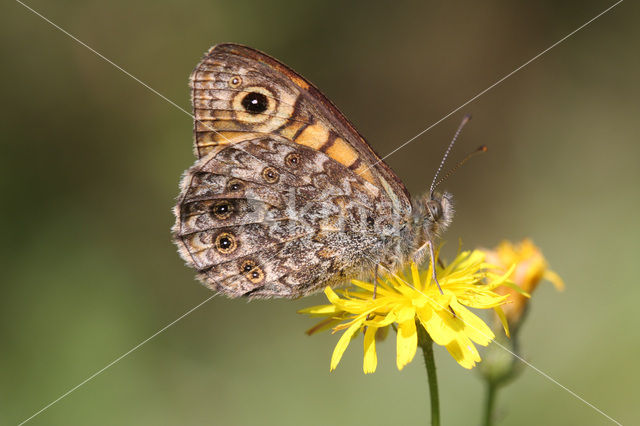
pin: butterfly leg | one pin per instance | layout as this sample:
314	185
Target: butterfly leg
375	281
433	265
375	286
433	271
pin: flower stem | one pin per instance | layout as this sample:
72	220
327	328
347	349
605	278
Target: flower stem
489	403
425	342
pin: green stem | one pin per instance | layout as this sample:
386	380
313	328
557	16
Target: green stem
489	403
426	344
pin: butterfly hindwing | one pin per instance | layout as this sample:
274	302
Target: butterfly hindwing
269	217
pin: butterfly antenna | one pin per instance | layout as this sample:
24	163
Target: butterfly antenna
480	150
464	121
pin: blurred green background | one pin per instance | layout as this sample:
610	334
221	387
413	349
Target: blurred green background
90	164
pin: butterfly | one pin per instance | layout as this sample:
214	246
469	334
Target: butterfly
286	197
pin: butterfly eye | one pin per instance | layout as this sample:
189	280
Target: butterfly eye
235	81
255	103
434	209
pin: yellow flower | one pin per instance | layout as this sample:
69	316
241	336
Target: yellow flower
531	268
412	299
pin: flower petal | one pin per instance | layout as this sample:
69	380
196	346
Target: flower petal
472	326
406	313
435	326
407	343
319	310
382	321
342	344
325	324
503	319
415	275
555	279
465	354
370	357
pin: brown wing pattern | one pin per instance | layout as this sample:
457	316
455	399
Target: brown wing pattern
255	223
239	94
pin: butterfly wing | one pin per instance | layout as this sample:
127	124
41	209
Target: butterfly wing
239	93
268	217
286	196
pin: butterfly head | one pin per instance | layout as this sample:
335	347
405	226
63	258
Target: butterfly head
436	213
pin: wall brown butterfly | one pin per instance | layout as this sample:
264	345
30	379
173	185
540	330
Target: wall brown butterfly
286	197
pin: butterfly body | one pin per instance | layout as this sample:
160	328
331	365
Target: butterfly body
286	197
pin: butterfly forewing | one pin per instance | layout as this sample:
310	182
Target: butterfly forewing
239	92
